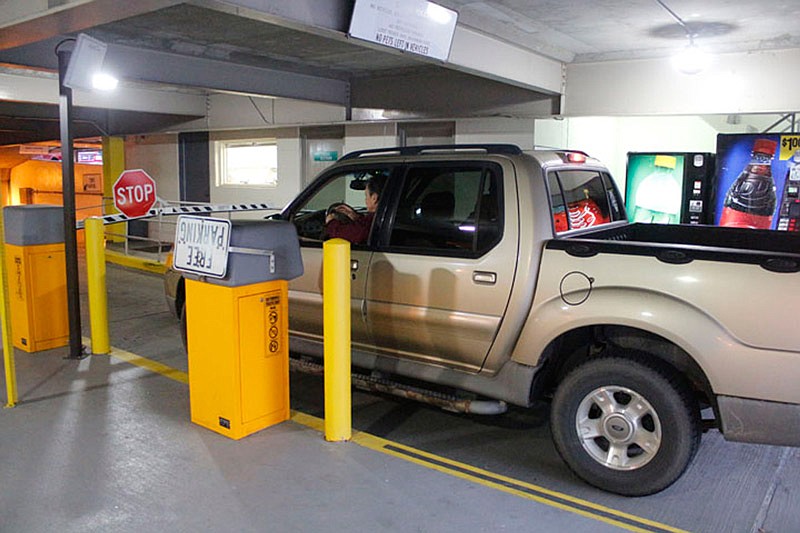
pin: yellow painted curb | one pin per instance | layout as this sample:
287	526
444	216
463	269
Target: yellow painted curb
135	262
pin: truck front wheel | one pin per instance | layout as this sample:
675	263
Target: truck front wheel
625	425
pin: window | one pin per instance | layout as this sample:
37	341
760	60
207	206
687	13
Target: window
247	163
347	187
581	199
449	210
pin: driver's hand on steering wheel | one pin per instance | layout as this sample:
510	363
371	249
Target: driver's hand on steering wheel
344	209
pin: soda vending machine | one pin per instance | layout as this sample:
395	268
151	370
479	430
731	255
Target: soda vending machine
669	187
758	181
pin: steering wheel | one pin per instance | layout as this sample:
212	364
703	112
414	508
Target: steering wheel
341	217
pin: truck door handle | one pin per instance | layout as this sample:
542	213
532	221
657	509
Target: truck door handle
484	278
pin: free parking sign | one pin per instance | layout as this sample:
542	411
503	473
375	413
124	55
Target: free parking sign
201	245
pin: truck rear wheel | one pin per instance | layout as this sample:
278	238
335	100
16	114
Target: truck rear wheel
625	425
183	328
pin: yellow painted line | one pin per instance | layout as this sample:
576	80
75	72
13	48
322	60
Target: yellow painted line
444	465
135	262
153	366
490	479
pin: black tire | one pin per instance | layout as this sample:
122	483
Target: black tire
643	402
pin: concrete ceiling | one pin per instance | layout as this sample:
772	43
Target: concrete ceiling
602	30
300	49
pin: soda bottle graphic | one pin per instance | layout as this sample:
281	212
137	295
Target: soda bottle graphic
658	198
751	200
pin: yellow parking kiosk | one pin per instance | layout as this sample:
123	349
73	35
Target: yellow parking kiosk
37	278
237	320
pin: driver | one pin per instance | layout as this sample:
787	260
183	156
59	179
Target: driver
352	225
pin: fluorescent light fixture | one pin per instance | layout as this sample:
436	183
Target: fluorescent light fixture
691	60
86	65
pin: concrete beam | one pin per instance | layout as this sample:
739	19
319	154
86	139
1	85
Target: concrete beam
23	86
755	82
136	64
486	56
173	69
443	93
39	25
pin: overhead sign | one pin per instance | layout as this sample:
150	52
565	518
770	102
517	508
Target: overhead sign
134	193
202	245
415	26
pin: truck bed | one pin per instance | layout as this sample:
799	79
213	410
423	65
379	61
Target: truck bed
680	244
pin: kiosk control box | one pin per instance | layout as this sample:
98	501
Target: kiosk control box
238	332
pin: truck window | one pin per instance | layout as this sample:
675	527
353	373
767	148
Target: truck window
451	210
581	199
346	187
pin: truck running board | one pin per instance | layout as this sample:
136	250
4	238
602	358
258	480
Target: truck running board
448	402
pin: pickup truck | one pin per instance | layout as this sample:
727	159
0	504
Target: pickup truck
493	276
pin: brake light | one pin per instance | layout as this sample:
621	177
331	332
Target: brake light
576	157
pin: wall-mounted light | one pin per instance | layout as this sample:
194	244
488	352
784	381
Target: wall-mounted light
85	68
103	81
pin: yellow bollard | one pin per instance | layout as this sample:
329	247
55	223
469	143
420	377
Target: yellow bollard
336	333
5	326
96	282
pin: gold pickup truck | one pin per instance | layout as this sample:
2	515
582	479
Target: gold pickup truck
514	277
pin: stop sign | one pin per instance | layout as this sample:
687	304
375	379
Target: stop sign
134	193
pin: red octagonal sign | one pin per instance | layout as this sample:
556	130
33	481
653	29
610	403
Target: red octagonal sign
134	193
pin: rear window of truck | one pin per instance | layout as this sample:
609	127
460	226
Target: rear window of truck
582	199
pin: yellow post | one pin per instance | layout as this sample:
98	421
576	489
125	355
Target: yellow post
5	326
96	282
113	165
336	333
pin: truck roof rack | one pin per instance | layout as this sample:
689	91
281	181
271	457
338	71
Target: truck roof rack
564	150
502	149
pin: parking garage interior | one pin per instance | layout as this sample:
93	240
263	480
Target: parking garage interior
105	442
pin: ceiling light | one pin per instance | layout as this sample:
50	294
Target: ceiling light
691	60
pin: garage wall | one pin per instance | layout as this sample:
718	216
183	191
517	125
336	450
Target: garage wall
289	169
45	179
496	130
158	156
607	138
230	111
370	135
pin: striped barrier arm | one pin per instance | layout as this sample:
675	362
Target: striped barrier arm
183	210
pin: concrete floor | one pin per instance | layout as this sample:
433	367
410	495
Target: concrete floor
105	444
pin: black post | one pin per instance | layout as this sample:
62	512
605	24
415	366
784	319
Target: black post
68	186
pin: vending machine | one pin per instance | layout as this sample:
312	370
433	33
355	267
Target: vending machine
758	181
669	187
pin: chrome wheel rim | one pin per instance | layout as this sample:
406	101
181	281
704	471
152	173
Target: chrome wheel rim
618	428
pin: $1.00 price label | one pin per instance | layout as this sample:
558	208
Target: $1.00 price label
201	245
789	145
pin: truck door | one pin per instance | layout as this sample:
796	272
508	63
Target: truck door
308	215
440	279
